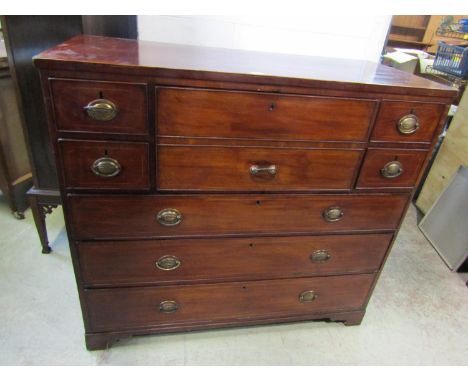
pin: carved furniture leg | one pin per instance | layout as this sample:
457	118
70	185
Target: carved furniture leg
39	211
42	202
39	220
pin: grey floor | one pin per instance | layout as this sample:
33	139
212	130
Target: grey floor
418	315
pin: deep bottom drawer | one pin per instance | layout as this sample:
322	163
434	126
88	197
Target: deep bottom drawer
189	260
131	308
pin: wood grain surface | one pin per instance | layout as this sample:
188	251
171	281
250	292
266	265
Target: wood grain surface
71	96
124	308
78	158
208	168
203	113
134	216
134	262
376	159
391	112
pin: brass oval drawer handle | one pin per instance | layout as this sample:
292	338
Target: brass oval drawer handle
101	110
169	217
333	214
308	296
168	263
256	169
392	169
168	306
408	124
320	256
106	167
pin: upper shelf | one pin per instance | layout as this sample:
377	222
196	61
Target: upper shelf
402	39
453	33
418	28
193	62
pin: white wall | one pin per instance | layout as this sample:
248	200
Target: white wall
355	37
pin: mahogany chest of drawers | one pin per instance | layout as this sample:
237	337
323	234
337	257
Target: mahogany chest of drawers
209	188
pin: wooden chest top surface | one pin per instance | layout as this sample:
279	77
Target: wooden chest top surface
117	55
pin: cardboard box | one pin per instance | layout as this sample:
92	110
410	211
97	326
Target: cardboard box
408	59
401	61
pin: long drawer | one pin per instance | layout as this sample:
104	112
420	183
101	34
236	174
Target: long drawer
231	114
145	216
208	168
189	260
126	308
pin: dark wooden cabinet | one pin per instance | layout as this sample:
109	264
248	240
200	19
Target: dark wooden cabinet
26	36
199	195
15	171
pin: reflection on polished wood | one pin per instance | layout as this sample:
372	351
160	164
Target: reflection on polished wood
184	61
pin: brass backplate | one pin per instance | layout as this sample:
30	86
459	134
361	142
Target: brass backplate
169	217
101	110
408	124
106	167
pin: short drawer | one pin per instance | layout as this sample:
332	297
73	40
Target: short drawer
388	168
143	216
190	260
208	168
100	107
125	308
212	113
400	121
104	165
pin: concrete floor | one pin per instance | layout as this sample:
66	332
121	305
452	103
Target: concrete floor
418	315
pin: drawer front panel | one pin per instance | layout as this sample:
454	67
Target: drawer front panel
115	309
105	165
124	103
387	126
189	260
254	169
193	215
391	168
206	113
